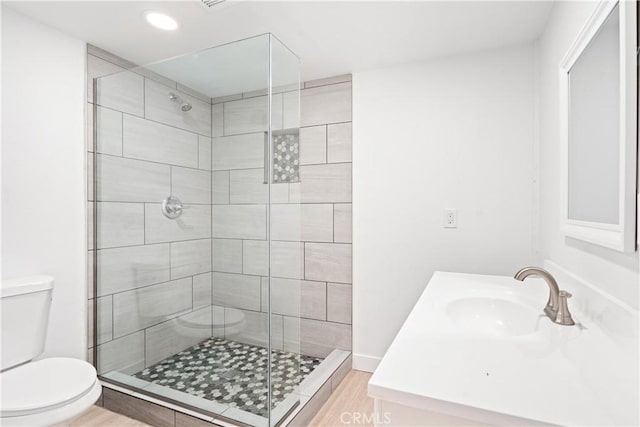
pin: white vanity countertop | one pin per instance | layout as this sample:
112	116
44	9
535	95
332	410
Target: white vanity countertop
559	375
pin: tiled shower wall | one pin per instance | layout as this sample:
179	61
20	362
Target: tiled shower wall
311	264
157	276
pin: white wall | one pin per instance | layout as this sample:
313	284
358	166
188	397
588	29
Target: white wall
456	132
614	272
43	170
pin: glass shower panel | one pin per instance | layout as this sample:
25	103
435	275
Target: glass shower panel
286	246
187	201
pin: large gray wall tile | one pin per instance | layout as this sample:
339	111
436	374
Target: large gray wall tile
312	407
310	223
251	115
194	223
220	187
126	180
291	110
226	98
329	262
325	104
339	143
120	224
109	131
90	274
190	257
294	297
314	337
204	152
105	319
341	373
183	420
287	259
88	127
202	290
255	330
326	183
248	186
313	145
254	93
90	226
90	176
238	151
191	185
241	227
328	81
236	290
217	119
339	302
90	322
144	307
173	336
148	140
218	327
240	221
186	89
160	108
122	91
122	269
108	56
98	67
279	192
255	257
147	412
227	255
342	223
124	354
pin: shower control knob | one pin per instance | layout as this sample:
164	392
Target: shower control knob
172	207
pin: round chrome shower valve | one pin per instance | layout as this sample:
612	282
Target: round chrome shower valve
172	207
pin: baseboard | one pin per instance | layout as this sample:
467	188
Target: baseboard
363	362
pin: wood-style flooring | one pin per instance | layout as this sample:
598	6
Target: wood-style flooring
100	417
348	405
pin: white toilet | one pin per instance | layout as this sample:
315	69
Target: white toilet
43	392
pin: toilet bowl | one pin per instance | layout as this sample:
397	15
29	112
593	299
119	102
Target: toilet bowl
232	322
37	392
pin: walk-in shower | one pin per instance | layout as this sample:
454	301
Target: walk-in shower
199	260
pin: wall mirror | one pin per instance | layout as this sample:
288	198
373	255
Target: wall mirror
598	87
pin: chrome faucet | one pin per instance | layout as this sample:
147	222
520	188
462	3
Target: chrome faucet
556	309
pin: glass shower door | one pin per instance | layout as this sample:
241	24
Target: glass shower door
286	246
197	302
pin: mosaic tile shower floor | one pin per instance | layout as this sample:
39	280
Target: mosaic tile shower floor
231	373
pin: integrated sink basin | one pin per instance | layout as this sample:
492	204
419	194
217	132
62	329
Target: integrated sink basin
480	350
496	317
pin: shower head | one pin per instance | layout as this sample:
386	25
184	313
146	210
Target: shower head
184	106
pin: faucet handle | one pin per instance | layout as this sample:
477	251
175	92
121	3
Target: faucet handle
563	316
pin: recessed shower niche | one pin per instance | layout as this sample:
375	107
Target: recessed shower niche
195	303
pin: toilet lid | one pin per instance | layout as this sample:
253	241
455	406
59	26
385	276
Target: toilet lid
46	383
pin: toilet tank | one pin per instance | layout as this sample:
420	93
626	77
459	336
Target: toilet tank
24	310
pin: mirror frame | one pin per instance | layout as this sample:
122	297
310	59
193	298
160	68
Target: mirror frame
622	236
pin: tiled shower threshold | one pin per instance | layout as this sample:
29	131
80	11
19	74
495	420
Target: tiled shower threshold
218	376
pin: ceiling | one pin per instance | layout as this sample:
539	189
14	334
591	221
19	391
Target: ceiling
330	37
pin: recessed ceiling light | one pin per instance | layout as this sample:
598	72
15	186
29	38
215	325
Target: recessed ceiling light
160	20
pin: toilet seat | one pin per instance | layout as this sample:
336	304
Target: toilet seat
44	385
